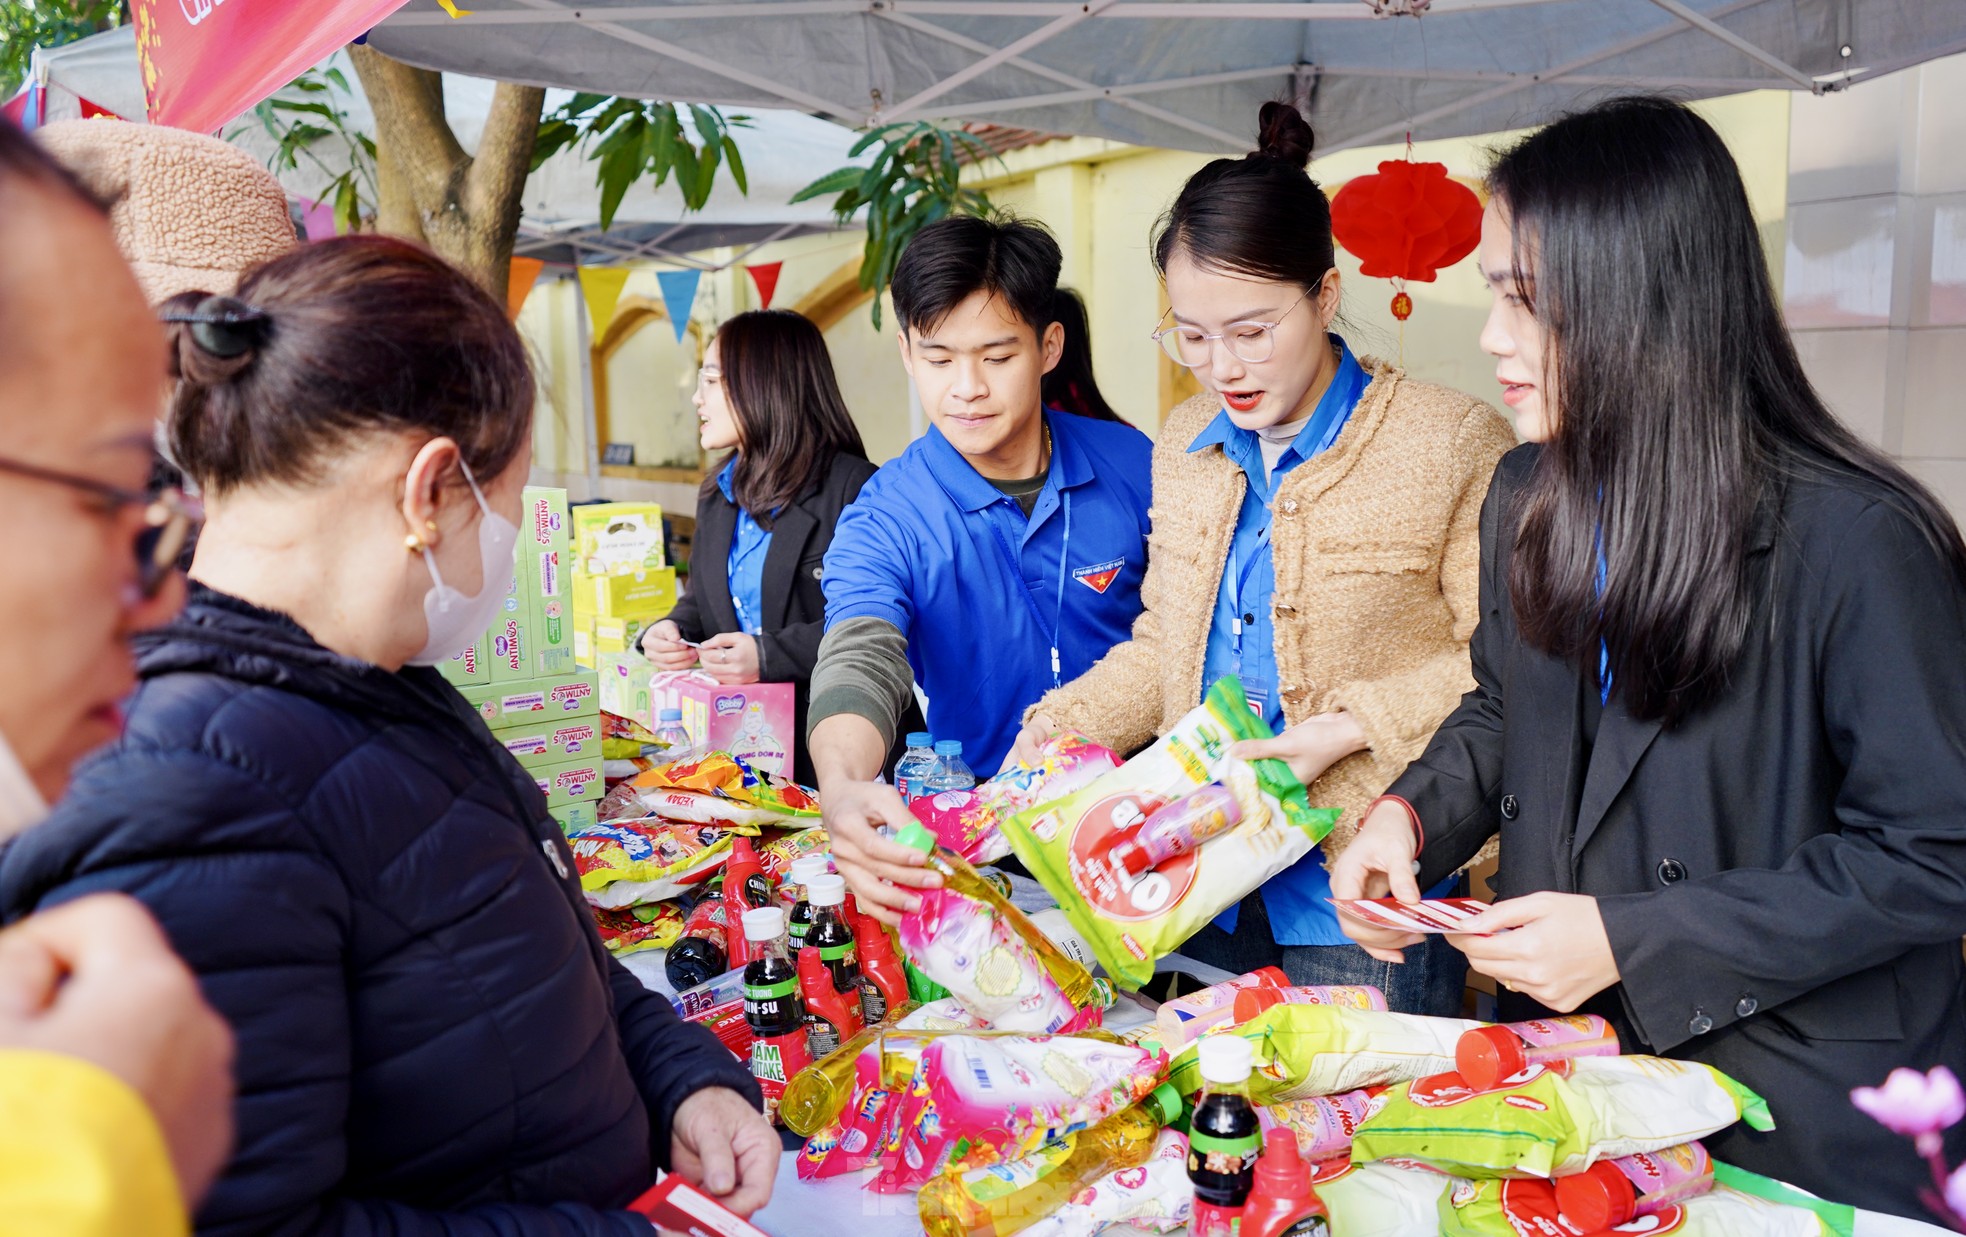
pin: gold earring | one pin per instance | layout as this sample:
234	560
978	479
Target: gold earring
413	543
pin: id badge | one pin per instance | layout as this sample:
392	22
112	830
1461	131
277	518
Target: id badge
1259	700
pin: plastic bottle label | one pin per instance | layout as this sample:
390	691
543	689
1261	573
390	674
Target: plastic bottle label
838	953
775	991
822	1038
873	1005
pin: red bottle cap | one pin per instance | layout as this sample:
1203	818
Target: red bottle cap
1280	1170
1598	1198
1253	1001
1487	1055
1131	857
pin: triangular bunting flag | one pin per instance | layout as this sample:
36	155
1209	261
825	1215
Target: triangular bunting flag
95	111
15	109
317	219
601	287
518	285
679	297
765	275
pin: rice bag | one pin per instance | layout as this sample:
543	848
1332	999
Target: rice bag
1380	1200
970	822
634	929
1154	1197
1304	1051
626	862
1130	921
1505	1208
978	1100
1545	1124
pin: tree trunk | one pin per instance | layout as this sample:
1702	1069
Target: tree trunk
465	208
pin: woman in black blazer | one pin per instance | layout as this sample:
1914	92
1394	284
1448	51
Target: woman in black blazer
767	394
1719	718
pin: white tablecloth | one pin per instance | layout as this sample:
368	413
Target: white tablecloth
838	1207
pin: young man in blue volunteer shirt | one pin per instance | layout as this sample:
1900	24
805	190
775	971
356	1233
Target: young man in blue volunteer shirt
999	556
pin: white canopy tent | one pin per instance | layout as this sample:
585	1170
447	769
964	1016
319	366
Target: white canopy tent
783	152
1178	73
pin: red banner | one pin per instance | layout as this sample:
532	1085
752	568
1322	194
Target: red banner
207	61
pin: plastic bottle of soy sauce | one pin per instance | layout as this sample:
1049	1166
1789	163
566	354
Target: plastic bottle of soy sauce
829	969
772	1007
1224	1138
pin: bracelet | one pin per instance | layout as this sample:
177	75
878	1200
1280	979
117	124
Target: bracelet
1419	834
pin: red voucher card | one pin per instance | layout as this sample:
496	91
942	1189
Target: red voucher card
1431	915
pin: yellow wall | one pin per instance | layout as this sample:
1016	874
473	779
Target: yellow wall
1101	199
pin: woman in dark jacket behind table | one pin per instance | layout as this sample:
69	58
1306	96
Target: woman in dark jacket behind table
431	1039
767	394
1720	708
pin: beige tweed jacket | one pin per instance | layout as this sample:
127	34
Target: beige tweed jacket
1377	558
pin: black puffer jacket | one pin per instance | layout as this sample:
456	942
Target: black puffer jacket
431	1038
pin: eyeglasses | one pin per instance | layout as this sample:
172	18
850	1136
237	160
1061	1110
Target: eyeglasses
1249	342
169	517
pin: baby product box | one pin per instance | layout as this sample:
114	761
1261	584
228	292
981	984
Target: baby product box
568	784
610	635
610	538
508	643
624	679
468	668
552	742
532	702
546	579
632	594
576	816
753	722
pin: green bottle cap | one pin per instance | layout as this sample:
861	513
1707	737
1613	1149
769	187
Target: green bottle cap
1164	1102
916	836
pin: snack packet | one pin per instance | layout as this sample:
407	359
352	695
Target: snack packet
1155	1197
1547	1125
1381	1200
1130	921
970	822
1324	1125
968	947
625	862
985	1099
945	1014
778	855
633	929
720	773
1505	1208
1304	1051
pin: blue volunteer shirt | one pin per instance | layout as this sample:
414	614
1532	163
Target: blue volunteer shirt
749	543
984	594
1242	637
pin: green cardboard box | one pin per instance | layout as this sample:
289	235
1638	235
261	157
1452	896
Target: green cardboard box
468	668
533	702
578	781
552	742
545	581
576	816
625	685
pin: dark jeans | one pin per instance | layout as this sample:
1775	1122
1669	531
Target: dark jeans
1430	981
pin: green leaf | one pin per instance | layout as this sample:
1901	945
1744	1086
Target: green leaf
833	182
347	207
709	124
662	152
583	103
301	106
338	78
736	166
618	169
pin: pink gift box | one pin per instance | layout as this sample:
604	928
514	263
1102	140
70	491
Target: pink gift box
753	723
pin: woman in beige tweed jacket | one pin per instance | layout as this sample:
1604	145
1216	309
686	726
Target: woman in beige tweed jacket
1377	482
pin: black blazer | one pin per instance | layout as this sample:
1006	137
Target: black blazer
1782	876
794	616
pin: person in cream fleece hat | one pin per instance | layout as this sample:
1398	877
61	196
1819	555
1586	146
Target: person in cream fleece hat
190	212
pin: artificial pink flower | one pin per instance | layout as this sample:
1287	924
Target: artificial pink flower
1915	1105
1956	1191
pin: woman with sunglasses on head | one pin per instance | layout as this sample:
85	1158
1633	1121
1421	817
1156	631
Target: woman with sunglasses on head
766	394
1314	535
431	1038
1720	714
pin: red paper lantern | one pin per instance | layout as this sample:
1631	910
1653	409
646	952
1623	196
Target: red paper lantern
1407	221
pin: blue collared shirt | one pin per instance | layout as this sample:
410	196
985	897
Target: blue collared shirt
983	594
749	543
1242	637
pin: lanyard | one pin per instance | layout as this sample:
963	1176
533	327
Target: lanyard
739	556
1241	579
1017	573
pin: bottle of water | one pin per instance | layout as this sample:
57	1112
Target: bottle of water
949	773
911	770
669	731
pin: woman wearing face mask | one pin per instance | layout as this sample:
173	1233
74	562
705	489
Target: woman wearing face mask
767	395
1720	686
1314	535
431	1038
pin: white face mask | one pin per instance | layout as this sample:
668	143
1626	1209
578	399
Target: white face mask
454	619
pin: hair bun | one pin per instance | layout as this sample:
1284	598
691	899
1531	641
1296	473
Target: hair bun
1283	133
217	337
